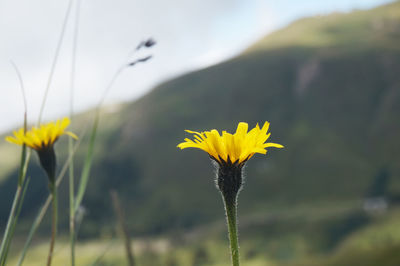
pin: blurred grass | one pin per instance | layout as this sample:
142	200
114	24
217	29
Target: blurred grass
377	243
9	159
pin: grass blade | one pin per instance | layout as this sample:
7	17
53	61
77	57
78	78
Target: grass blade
102	254
13	217
55	59
71	203
123	230
34	227
88	163
7	232
72	233
19	207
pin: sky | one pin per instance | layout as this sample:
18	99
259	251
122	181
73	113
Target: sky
189	35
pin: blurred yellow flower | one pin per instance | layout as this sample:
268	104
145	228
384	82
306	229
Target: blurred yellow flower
232	148
43	137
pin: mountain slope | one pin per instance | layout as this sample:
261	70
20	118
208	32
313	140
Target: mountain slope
328	85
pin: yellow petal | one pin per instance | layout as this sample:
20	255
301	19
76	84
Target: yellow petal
65	123
241	129
276	145
69	133
42	136
240	146
13	140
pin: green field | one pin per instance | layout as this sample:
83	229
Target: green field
305	236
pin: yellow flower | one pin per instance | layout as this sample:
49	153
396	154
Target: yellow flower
43	137
232	148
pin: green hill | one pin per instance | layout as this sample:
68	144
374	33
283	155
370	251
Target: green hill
330	86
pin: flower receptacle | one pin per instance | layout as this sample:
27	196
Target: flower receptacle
47	158
229	180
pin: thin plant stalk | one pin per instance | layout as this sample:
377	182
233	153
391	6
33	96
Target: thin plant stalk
76	201
45	206
72	234
53	224
118	72
122	226
33	229
21	187
84	179
89	156
231	217
110	84
50	78
55	60
71	204
13	225
12	218
229	180
87	164
8	230
97	260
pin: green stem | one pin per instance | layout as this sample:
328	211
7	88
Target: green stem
122	226
16	206
71	206
33	229
231	209
13	225
7	232
55	60
87	163
53	224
